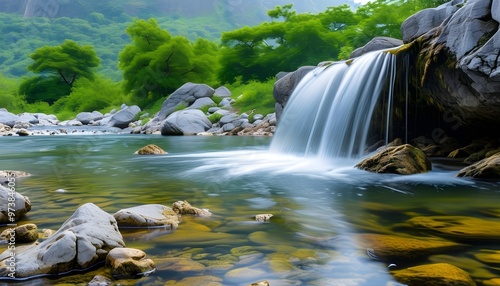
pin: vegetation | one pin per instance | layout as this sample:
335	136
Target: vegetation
106	58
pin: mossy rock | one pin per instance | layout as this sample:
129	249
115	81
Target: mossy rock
438	274
460	227
393	248
404	160
488	168
151	149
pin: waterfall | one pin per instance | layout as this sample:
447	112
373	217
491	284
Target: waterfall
330	112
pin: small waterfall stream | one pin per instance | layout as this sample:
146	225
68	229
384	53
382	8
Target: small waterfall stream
330	112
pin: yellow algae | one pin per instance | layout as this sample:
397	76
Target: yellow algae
492	282
280	262
475	268
391	247
205	280
460	227
305	254
488	256
438	274
243	250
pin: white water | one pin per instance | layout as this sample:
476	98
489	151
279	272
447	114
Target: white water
329	113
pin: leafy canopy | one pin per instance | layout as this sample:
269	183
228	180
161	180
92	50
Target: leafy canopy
68	60
156	63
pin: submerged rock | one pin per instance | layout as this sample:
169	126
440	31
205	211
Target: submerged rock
151	149
82	241
393	248
461	228
403	160
183	207
22	205
438	274
129	263
263	217
488	168
205	280
147	215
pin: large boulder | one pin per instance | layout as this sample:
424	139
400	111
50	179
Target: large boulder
22	205
377	43
184	96
82	241
458	59
122	118
283	88
488	168
146	216
185	122
86	117
8	118
403	160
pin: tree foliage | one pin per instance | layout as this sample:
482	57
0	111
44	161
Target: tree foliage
292	40
156	63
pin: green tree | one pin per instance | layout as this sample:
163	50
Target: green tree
156	63
68	61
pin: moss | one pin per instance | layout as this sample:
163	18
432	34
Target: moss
438	274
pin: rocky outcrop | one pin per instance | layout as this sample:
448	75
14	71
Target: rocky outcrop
146	216
7	118
458	59
82	241
151	149
186	122
283	88
403	160
377	43
184	97
22	205
124	117
438	274
129	263
488	168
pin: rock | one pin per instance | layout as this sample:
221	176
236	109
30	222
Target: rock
204	280
122	118
185	122
391	248
425	20
458	60
129	263
23	132
377	43
461	228
86	117
183	207
147	216
5	130
403	160
46	120
263	217
22	205
27	117
260	283
185	95
151	149
222	92
82	241
8	175
100	280
202	102
488	168
228	118
8	118
284	87
438	274
22	234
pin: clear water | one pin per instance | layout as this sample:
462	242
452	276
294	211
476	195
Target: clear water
319	207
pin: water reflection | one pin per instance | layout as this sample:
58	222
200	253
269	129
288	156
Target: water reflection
319	208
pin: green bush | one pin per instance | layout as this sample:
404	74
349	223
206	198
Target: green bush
43	88
215	117
254	97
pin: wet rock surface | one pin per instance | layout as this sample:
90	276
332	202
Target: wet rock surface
439	274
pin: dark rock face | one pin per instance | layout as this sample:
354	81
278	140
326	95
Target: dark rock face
458	60
284	87
488	168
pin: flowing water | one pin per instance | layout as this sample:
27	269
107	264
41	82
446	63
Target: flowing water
319	209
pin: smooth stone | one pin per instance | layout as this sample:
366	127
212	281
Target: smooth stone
183	208
147	215
438	274
151	149
205	280
459	227
393	248
22	205
129	263
180	265
25	233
